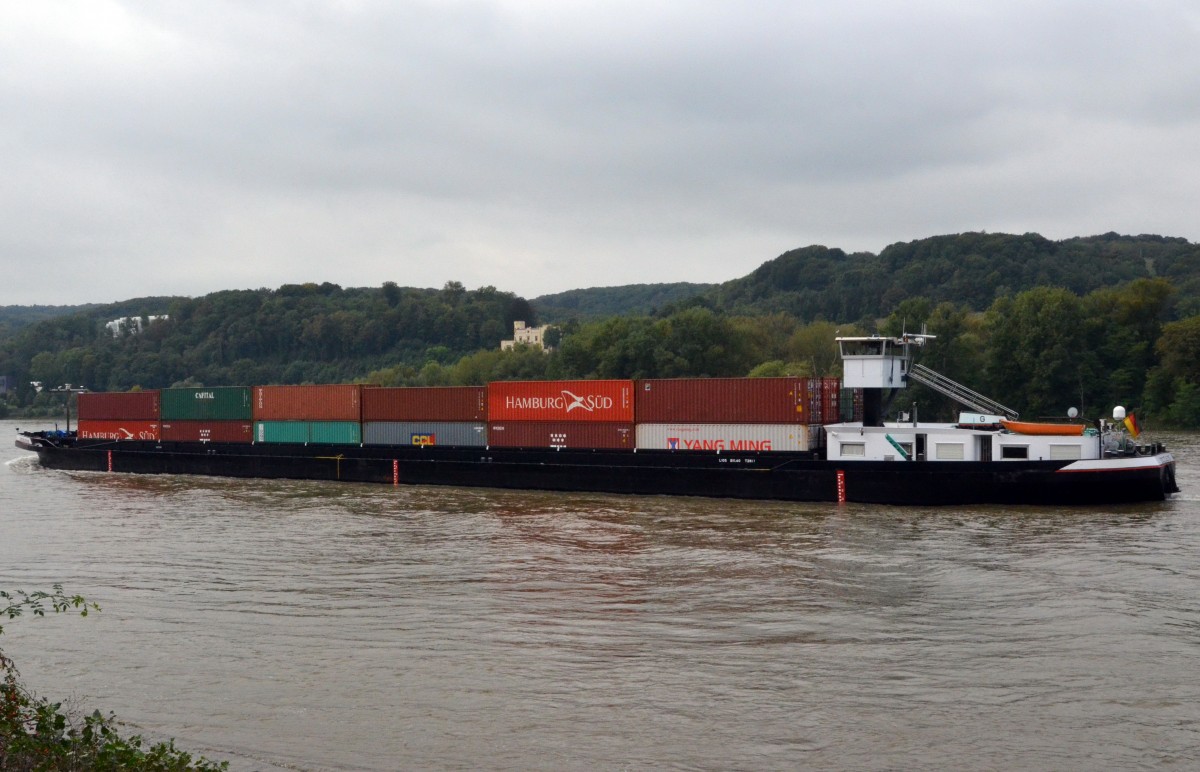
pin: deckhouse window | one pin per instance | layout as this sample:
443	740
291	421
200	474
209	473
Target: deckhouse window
1014	451
949	451
1065	452
854	449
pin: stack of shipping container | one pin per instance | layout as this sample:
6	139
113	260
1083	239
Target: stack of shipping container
129	415
204	414
735	413
329	414
561	414
451	415
721	414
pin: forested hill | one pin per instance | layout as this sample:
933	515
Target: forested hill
972	269
13	318
295	334
597	302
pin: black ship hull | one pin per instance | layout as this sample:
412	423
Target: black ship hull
741	475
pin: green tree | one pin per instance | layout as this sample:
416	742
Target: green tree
1038	356
816	346
1178	349
44	367
1172	390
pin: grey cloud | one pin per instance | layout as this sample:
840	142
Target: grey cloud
544	146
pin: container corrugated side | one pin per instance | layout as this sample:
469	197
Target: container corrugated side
441	433
114	429
207	431
331	402
322	432
725	437
561	434
335	432
561	401
119	405
831	400
281	431
851	405
426	403
727	400
220	403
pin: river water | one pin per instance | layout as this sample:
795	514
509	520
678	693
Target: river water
325	626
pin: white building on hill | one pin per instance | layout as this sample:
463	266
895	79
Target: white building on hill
131	324
531	336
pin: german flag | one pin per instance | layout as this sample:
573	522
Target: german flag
1131	424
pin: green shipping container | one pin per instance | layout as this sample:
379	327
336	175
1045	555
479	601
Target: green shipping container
222	403
335	432
327	432
281	431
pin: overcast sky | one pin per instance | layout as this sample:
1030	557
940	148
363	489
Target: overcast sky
153	147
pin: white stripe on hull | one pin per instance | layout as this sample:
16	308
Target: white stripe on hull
1120	464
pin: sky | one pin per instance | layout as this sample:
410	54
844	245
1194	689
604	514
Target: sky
156	147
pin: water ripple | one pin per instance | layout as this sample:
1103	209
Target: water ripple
302	625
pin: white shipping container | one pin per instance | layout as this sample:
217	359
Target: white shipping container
728	437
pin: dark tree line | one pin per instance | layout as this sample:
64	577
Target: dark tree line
1040	351
295	334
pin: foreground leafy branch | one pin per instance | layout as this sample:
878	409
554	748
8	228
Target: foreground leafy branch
36	735
35	603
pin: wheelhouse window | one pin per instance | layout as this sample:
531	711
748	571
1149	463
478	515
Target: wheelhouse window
863	347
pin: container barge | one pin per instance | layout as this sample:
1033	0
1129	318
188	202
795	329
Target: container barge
792	439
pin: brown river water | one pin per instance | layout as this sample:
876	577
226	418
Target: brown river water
325	626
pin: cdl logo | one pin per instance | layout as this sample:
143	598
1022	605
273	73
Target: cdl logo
424	439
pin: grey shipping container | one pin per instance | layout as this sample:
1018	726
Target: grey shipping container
439	433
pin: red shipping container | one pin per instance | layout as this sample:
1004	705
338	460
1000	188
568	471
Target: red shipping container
728	401
89	429
431	403
563	401
208	431
561	434
336	402
119	405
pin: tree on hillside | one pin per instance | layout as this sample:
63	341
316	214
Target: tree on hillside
1038	351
